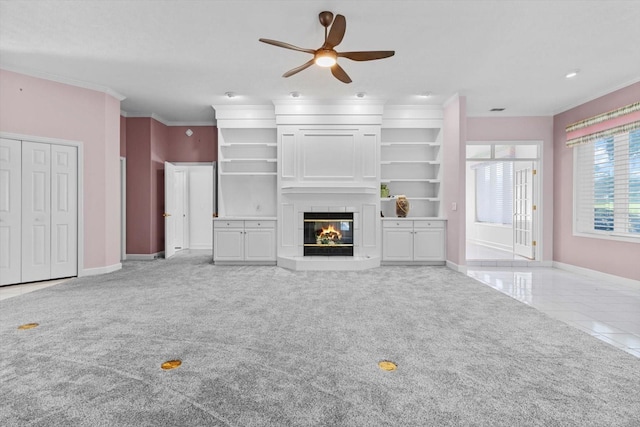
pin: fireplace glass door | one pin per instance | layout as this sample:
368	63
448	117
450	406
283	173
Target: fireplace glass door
328	233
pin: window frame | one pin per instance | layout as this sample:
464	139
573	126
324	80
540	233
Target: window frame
593	233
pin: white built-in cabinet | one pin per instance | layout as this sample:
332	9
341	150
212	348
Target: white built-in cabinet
244	241
245	228
38	211
413	241
411	165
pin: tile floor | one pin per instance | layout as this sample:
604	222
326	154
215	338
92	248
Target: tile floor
23	288
606	310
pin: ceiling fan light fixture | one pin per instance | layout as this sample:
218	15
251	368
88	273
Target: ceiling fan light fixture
326	58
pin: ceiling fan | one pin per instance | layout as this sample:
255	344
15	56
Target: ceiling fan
326	56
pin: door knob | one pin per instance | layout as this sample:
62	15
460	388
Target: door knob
166	214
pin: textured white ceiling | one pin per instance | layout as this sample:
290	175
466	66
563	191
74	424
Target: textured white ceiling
175	59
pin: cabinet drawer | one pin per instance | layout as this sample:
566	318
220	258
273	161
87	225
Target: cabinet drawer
428	224
397	224
260	224
228	224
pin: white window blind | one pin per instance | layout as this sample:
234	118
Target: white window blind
607	187
494	192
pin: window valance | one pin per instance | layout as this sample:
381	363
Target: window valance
625	119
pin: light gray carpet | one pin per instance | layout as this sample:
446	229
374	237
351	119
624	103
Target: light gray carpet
265	346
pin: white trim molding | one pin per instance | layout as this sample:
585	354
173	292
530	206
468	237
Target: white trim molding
596	274
100	270
145	257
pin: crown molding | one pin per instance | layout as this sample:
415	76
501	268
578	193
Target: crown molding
157	118
595	96
66	80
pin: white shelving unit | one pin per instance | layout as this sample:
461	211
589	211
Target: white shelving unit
411	165
247	161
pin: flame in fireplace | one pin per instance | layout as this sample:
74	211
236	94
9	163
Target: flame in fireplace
328	236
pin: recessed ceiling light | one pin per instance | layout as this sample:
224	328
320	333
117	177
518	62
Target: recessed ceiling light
230	94
295	94
497	109
571	74
361	94
425	94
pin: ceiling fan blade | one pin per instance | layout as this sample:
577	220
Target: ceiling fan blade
287	46
336	33
298	69
367	56
340	74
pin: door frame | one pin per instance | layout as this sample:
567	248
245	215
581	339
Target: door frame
537	191
123	208
80	216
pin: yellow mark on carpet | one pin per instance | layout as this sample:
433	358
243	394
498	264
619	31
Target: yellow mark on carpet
171	364
28	326
387	365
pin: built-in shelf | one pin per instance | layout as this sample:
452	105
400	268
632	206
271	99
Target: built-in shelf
410	166
247	169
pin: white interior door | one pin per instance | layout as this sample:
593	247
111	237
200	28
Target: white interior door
523	210
36	211
10	211
64	211
169	209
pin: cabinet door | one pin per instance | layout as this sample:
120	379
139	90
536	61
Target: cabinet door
428	244
260	244
397	244
228	244
10	211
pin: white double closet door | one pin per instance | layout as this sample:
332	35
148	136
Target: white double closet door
38	211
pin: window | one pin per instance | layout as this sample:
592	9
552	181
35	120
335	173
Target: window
494	192
607	186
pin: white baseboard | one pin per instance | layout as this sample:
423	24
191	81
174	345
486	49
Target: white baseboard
101	270
145	257
455	267
596	274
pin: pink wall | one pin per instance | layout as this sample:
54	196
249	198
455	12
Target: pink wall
455	113
525	129
138	184
612	257
36	107
202	146
159	152
147	144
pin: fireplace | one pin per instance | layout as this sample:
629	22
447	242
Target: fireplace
328	233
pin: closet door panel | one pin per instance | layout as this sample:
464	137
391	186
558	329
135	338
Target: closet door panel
64	217
10	211
36	211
